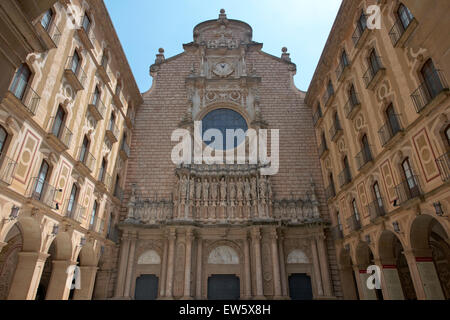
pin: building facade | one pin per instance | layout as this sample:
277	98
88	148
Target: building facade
214	231
381	112
65	125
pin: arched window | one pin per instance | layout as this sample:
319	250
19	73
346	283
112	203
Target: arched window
72	200
409	176
374	63
96	96
86	23
102	172
112	121
362	22
404	15
3	138
58	122
20	81
344	59
330	89
333	188
394	125
94	213
355	210
353	96
76	62
84	149
347	173
337	123
366	148
46	20
41	180
377	194
431	79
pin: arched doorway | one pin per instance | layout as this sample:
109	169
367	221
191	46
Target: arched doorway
364	259
397	276
349	283
431	245
299	276
147	276
8	259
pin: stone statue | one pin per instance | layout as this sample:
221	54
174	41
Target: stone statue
214	190
240	187
232	191
247	190
205	188
183	187
198	190
262	188
191	189
254	189
223	190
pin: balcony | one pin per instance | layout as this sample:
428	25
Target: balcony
330	192
86	36
431	93
352	107
7	170
374	73
50	37
335	131
130	118
103	70
24	99
323	150
408	189
77	78
118	100
360	35
41	191
328	98
96	225
86	162
341	70
345	178
118	193
376	209
112	133
60	136
399	35
444	166
354	223
125	150
388	132
337	233
74	211
318	117
363	158
96	108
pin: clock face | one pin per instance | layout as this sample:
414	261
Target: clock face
223	69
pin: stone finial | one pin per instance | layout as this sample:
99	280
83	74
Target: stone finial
160	56
285	55
222	15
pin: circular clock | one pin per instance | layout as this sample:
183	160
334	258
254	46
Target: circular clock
223	69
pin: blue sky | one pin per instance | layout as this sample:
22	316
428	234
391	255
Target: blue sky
144	26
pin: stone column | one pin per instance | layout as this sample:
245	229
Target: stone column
162	289
248	279
256	239
316	266
198	286
130	266
188	265
275	264
60	280
170	263
282	265
326	280
27	275
124	250
87	277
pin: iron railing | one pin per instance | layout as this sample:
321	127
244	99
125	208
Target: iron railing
322	149
327	96
330	192
41	191
112	128
408	189
62	132
376	209
335	130
98	105
337	233
345	177
29	98
429	89
86	158
126	148
8	168
443	163
389	130
79	72
357	34
372	71
354	223
74	211
352	103
363	157
340	69
396	31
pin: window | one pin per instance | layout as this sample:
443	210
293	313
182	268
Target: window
330	89
42	178
96	96
102	172
324	140
352	95
117	187
366	148
337	123
338	218
86	23
84	149
355	210
46	20
404	15
377	193
20	82
344	59
431	78
3	138
394	126
58	122
408	174
72	199
362	22
104	59
118	88
112	121
447	135
75	62
347	173
333	189
94	213
373	62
